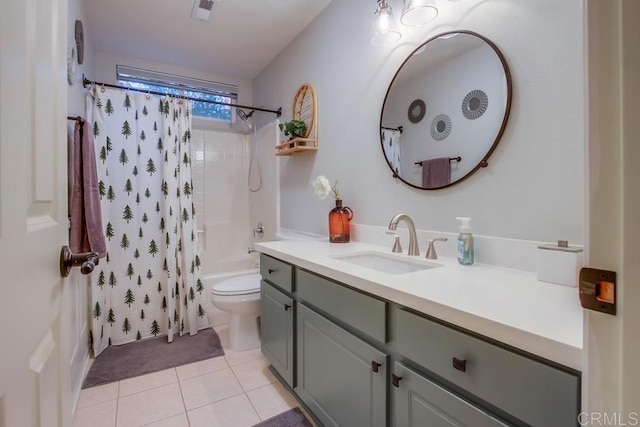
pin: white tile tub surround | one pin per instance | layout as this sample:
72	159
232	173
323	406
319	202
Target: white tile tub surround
220	162
217	316
264	205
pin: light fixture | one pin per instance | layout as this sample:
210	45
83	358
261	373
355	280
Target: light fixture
418	12
384	31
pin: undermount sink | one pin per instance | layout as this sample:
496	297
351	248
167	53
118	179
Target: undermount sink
386	263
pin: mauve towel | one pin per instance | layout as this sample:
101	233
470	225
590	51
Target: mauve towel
436	172
86	233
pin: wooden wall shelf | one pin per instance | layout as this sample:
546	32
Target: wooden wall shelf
296	146
304	107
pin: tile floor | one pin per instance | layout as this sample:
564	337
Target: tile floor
234	390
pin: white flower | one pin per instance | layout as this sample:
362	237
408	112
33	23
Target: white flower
322	187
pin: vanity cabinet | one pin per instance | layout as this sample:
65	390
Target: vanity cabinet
277	272
362	312
421	402
341	378
355	359
532	391
277	330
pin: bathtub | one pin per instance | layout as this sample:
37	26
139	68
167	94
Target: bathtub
217	316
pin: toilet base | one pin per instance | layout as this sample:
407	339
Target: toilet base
243	332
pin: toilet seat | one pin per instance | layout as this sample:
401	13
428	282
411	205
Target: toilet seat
241	285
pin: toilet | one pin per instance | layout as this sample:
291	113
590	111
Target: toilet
240	297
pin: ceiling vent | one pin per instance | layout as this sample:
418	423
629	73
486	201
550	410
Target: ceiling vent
202	9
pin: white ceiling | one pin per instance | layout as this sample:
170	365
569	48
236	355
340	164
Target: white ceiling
240	39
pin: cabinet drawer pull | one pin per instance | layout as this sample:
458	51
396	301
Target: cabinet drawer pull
395	380
287	307
460	365
375	365
272	270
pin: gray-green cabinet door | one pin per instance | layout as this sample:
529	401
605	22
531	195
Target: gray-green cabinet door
276	330
336	374
419	402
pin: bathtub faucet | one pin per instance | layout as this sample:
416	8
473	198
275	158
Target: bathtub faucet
251	250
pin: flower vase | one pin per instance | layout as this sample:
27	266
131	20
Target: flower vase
339	223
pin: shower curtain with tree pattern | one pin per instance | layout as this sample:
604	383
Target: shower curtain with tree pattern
149	284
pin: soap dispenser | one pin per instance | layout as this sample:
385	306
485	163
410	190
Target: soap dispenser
465	242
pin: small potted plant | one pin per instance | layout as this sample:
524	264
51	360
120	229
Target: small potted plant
294	129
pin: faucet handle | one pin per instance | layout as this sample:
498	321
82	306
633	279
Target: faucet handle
396	246
431	252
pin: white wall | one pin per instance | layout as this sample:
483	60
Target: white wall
534	186
106	72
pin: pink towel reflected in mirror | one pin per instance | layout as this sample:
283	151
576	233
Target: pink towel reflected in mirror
436	172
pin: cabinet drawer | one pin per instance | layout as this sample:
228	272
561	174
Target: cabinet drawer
534	392
420	402
363	312
277	272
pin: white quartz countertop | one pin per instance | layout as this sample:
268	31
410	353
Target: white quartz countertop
510	306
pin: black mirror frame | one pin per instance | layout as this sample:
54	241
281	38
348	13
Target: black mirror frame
483	163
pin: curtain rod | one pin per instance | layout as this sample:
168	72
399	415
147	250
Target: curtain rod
86	82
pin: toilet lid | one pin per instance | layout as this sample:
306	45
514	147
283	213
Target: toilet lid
240	285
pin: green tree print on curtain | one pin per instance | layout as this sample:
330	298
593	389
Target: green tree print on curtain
97	312
126	129
109	107
150	282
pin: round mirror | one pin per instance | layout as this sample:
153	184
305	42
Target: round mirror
465	81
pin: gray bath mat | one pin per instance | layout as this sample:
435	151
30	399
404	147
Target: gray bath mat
120	362
292	418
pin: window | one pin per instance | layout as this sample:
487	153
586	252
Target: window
170	84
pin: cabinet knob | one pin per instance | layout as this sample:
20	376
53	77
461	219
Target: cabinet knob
272	270
287	307
375	365
395	380
460	365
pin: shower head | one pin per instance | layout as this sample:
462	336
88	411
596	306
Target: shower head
246	117
243	115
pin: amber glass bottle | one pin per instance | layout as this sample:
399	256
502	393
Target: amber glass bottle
339	223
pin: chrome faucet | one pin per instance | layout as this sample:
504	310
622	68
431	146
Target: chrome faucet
413	239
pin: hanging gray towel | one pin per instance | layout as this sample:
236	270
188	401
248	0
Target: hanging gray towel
436	172
86	231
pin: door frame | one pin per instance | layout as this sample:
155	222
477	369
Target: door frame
611	347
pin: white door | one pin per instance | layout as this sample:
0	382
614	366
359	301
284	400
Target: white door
612	343
33	224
